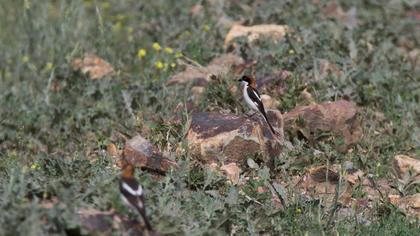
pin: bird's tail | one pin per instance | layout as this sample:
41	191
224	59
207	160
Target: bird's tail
145	219
268	122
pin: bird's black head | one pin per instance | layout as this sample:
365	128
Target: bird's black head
245	79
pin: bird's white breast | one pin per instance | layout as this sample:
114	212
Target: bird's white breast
248	100
135	192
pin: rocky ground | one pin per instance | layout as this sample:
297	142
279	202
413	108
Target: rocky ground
89	84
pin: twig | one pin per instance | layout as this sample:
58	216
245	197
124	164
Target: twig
47	89
335	204
185	59
127	102
252	200
375	186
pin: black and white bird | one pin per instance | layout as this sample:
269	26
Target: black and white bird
132	193
253	98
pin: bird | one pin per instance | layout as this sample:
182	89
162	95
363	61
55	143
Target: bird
132	193
253	98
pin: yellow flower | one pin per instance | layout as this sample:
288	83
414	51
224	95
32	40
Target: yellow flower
169	50
298	210
173	64
159	65
141	53
35	166
178	54
156	46
25	59
49	66
291	51
206	28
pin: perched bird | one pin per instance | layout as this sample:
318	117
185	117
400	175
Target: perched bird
132	193
253	98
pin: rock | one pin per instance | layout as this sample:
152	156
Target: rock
196	91
112	150
394	199
269	102
349	18
97	222
354	176
414	57
232	172
338	117
411	204
410	54
322	181
274	83
323	68
105	222
406	167
248	64
93	66
307	96
275	32
200	75
196	10
212	136
141	153
374	190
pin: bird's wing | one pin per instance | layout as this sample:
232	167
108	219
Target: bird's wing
133	192
256	98
132	187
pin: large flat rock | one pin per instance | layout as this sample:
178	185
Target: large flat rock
339	117
230	138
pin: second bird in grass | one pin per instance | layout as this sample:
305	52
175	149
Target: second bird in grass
253	98
132	193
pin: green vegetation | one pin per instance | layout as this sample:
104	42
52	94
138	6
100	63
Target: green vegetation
55	123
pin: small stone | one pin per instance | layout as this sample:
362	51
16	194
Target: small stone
276	32
94	66
112	150
200	75
394	199
141	153
406	167
196	91
232	172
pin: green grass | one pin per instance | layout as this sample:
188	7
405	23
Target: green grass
53	143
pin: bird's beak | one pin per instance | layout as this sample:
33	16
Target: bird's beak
240	79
